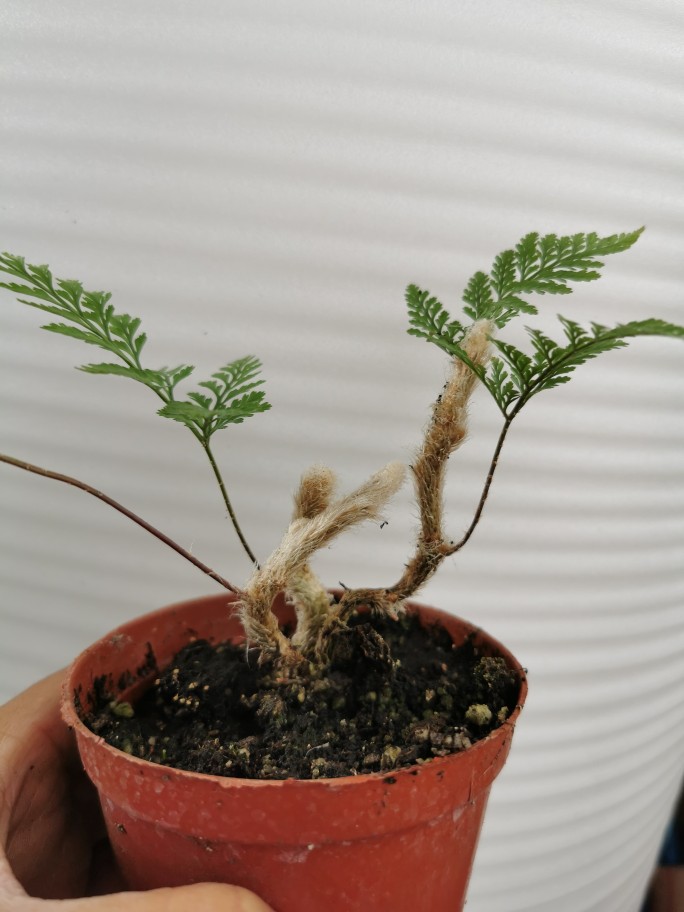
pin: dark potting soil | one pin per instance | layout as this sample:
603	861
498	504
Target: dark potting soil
394	694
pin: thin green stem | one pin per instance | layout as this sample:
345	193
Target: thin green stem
67	479
229	506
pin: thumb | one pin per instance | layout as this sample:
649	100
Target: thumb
207	897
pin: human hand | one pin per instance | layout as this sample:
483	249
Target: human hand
53	847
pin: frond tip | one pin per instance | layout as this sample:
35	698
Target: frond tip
314	492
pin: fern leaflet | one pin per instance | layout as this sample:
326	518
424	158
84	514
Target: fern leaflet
538	264
90	317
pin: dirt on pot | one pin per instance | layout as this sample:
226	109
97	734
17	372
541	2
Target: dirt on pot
394	694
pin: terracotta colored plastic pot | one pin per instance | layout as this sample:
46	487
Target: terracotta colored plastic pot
398	842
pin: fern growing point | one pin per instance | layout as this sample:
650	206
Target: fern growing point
537	265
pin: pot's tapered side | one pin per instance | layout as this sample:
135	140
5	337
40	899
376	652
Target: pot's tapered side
397	842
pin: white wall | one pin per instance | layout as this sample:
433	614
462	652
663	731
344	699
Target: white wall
265	177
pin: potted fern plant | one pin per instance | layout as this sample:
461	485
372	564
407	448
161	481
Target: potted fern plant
322	748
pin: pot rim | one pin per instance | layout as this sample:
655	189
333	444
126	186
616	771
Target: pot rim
72	718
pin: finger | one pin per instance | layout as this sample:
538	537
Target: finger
40	704
35	712
49	817
204	897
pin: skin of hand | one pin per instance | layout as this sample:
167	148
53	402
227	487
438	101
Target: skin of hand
53	848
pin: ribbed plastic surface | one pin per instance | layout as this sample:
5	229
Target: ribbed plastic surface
259	177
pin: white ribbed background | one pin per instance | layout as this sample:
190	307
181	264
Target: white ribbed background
265	177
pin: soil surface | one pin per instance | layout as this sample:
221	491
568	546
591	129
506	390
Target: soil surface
394	694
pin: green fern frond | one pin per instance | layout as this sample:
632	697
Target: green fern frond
429	320
538	264
514	378
89	317
235	398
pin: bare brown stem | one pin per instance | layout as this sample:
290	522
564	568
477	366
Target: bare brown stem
453	548
310	599
446	432
304	537
67	479
426	561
